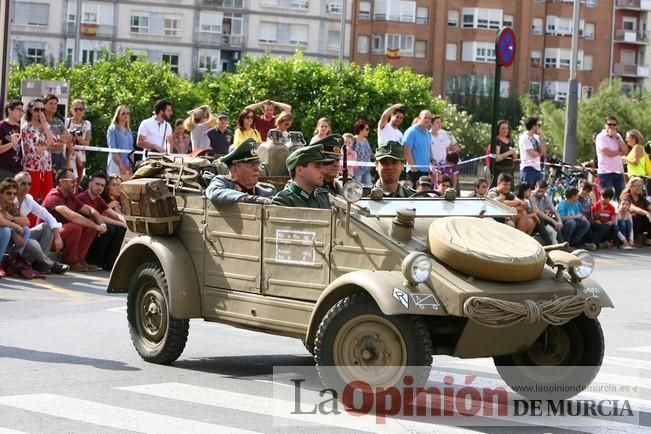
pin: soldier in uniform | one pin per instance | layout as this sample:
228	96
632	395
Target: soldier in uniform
242	183
332	149
389	163
305	167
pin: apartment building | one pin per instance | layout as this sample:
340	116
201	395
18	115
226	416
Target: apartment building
454	42
631	60
193	36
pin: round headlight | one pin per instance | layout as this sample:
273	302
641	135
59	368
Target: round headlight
416	267
353	191
586	268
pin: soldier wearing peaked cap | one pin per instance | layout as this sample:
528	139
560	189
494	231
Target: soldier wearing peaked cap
242	183
389	163
304	165
332	146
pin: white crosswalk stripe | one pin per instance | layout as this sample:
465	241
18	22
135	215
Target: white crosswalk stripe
10	431
111	416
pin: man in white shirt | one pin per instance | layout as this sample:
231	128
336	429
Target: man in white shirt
154	132
532	147
388	125
44	237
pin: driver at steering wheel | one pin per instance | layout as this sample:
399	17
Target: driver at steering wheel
389	163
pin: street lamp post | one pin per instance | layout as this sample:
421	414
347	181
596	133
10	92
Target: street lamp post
5	13
571	107
342	32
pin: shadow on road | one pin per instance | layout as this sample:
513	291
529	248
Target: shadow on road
49	357
244	366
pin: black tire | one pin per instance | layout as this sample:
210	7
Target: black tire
356	324
157	336
561	363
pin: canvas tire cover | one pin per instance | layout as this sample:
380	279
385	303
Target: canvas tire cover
486	249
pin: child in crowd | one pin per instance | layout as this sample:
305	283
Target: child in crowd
451	169
444	183
351	156
575	224
625	225
480	188
605	213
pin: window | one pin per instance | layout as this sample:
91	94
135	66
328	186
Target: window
451	52
628	57
450	85
393	41
139	24
480	18
505	88
267	34
30	14
209	61
395	10
507	21
476	51
333	40
476	85
453	18
536	58
211	22
586	92
537	26
88	56
232	28
588	30
422	15
332	8
559	26
298	34
224	3
364	10
303	4
420	49
362	44
171	26
534	90
587	62
556	90
629	23
172	60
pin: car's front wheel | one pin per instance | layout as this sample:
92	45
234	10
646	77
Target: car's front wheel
561	363
157	336
357	342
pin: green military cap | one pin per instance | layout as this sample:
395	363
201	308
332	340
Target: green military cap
390	149
245	152
307	154
331	145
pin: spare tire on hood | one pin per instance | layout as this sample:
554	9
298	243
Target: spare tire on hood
486	249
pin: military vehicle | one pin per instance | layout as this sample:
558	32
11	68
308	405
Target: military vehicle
370	286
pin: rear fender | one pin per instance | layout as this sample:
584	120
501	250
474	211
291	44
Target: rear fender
182	283
387	288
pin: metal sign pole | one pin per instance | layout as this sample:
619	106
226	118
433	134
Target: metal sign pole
505	45
5	13
496	105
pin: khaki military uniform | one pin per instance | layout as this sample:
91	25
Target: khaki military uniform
402	191
294	196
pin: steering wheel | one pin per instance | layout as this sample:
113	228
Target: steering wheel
426	193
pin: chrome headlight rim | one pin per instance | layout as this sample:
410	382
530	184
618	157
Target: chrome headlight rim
416	267
353	191
587	265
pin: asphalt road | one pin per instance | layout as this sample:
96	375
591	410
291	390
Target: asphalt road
67	365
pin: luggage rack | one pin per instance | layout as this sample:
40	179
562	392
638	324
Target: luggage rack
137	222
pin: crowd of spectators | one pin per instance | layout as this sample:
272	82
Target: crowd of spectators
43	211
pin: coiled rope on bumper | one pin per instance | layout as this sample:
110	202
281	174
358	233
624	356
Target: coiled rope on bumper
496	313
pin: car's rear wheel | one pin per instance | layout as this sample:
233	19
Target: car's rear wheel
561	363
157	336
357	342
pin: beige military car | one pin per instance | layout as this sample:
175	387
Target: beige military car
371	287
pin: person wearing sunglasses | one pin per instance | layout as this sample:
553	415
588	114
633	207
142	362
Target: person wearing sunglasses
63	139
80	130
37	142
10	163
363	150
14	228
245	129
610	149
268	120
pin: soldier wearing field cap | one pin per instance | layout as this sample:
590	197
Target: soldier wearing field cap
305	168
389	163
242	184
332	145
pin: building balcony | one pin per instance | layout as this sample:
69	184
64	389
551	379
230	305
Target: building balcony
89	30
219	39
633	5
631	37
625	70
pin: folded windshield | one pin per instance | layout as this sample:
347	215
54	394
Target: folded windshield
427	207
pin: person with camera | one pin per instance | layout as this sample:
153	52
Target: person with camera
80	130
37	141
268	120
63	139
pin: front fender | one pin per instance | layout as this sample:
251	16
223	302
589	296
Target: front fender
590	288
184	292
388	290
